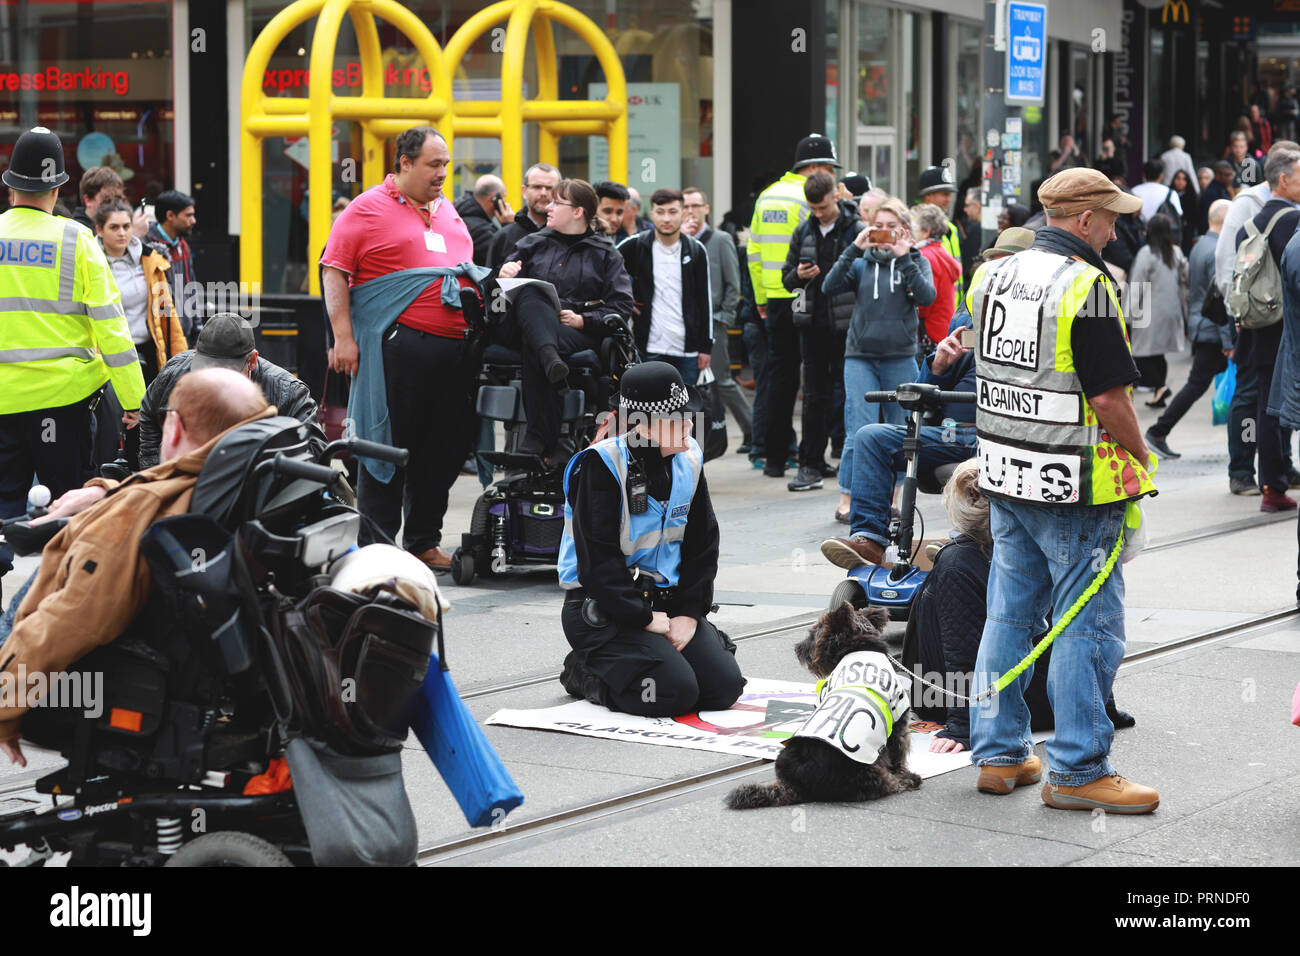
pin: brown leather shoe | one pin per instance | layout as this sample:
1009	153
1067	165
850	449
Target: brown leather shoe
437	559
1113	794
1003	779
850	553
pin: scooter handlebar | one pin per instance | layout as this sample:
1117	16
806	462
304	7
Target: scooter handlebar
373	449
959	398
293	468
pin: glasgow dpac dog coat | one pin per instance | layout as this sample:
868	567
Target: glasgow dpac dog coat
857	706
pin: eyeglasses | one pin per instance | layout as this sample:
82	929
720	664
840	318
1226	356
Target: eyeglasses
169	411
561	202
694	205
542	186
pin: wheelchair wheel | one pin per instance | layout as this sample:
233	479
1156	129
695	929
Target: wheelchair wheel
228	848
848	590
462	567
480	525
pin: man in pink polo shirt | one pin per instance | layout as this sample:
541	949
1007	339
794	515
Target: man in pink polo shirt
405	224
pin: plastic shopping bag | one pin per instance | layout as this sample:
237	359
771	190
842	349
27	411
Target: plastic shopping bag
1225	383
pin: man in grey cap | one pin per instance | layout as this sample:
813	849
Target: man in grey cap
225	342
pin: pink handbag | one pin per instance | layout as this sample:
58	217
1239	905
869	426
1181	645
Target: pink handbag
1295	706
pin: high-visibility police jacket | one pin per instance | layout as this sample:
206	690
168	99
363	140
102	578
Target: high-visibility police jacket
651	542
780	210
857	706
1040	440
62	330
951	243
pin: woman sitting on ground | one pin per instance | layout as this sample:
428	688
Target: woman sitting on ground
947	622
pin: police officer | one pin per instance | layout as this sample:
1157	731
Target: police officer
1061	455
779	210
937	189
638	559
63	333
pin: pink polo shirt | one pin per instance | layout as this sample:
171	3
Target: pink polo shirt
381	232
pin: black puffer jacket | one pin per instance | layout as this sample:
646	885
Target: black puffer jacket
588	274
288	394
482	230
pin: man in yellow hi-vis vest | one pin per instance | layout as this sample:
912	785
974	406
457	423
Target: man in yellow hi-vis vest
1061	459
780	209
62	333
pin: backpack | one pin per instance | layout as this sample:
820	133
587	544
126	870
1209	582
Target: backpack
1255	296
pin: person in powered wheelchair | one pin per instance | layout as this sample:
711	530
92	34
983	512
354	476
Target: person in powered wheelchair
93	580
254	663
594	297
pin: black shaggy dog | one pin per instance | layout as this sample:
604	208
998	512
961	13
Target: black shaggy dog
810	770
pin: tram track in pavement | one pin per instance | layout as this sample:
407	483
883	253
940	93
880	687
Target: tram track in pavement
1162	544
601	809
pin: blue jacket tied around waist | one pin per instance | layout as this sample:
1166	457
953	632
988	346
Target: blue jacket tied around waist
375	306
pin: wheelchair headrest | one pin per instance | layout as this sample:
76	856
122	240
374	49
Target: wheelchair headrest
224	481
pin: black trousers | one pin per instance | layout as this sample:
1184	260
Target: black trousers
429	387
1208	361
52	444
1272	445
644	674
823	357
782	370
539	325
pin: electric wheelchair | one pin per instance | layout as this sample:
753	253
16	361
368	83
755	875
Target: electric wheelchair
518	521
235	665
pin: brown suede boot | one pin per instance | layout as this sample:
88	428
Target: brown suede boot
1113	794
1001	780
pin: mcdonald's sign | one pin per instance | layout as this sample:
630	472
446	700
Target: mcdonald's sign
1173	10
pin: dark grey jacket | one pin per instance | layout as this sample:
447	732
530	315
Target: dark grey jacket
288	394
804	244
724	274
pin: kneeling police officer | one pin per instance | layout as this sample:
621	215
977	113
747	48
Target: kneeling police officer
638	559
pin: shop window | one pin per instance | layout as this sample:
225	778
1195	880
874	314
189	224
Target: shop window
100	76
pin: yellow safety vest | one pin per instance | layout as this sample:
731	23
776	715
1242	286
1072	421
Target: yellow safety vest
780	210
62	330
1040	440
952	245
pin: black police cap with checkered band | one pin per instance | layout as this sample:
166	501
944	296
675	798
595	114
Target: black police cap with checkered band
656	389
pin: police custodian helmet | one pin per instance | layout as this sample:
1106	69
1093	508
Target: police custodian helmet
37	162
936	179
656	389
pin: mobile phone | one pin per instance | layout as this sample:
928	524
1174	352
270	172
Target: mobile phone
967	338
805	262
496	203
881	237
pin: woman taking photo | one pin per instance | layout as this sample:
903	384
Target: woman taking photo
889	279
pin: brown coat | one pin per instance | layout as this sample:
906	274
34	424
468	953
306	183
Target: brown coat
164	326
93	580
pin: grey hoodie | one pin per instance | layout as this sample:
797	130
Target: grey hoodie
888	291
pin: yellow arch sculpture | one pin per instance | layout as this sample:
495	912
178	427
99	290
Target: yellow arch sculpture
382	117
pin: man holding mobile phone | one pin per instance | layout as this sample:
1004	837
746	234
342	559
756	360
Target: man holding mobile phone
822	321
485	211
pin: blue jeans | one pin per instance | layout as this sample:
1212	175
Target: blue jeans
1043	559
687	365
878	458
869	375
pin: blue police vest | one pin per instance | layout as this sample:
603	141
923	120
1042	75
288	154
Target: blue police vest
651	542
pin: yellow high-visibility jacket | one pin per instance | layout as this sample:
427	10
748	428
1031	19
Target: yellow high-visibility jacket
62	330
